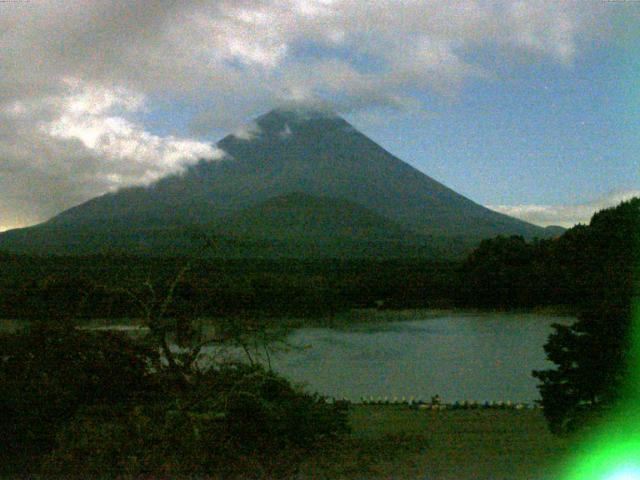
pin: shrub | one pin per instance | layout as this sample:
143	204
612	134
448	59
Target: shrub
48	373
233	422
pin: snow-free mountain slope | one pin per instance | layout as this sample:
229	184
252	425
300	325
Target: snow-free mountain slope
313	154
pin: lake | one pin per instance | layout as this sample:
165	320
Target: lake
458	355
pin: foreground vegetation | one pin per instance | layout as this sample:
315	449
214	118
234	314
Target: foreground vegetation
76	404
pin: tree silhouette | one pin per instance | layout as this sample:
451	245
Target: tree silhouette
591	356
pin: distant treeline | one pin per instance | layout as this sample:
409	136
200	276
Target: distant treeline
502	273
108	286
585	265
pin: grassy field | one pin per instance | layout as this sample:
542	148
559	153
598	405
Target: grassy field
395	442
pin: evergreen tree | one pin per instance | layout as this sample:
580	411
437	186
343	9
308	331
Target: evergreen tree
591	355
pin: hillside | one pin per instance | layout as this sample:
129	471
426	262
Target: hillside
299	215
285	152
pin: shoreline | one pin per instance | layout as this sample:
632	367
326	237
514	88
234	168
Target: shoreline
340	320
373	316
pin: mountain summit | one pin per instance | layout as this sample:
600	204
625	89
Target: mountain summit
284	152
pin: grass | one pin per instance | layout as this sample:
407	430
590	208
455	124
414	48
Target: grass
395	442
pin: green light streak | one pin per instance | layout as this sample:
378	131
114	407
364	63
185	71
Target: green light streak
612	451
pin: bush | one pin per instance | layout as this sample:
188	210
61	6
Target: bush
48	373
234	422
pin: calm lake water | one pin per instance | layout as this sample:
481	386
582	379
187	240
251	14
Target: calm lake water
458	356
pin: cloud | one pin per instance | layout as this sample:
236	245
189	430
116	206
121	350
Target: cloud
286	131
75	73
58	151
261	47
564	215
248	131
87	116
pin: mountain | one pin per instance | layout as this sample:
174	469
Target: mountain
289	167
553	231
302	225
297	216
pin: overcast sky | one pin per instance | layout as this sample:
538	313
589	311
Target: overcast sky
530	107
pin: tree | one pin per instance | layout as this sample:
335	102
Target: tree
50	372
592	355
590	358
498	274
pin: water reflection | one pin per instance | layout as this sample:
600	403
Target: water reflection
460	356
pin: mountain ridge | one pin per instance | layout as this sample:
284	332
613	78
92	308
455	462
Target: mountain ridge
285	151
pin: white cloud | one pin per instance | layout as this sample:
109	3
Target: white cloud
248	131
75	72
564	215
89	114
60	150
